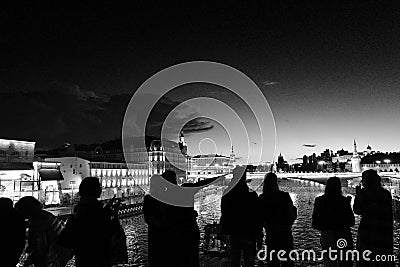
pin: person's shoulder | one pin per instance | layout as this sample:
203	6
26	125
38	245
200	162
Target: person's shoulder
320	199
253	195
47	214
386	193
284	194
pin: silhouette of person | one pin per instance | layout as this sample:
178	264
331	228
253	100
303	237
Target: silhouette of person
180	218
278	215
333	217
12	241
374	204
240	219
44	228
89	230
153	212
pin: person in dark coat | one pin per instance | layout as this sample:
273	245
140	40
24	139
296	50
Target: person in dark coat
44	228
240	220
180	219
278	215
153	212
333	217
374	204
89	230
12	241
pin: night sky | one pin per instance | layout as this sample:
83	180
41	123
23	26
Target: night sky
331	74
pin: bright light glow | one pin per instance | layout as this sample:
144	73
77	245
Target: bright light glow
321	162
216	165
378	162
387	161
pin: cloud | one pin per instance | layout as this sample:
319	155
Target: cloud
61	112
267	83
309	145
185	117
197	125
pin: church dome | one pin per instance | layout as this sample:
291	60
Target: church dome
156	145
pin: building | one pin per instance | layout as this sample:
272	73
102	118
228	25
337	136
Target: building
355	160
381	162
282	165
49	178
115	177
208	166
158	155
17	176
16	154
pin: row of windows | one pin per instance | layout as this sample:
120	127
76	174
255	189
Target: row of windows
126	172
131	182
14	153
199	173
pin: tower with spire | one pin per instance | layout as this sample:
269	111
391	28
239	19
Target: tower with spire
232	158
355	160
182	144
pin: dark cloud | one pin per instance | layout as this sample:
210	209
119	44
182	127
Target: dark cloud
185	118
267	83
198	125
309	145
61	112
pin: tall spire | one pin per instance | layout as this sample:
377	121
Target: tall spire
182	143
355	146
232	157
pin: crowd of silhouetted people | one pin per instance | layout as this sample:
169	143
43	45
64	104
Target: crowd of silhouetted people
251	220
94	235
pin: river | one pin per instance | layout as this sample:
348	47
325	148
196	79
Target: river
208	207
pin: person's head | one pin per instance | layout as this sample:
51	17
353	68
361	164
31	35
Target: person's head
6	204
28	206
170	176
90	187
270	184
238	183
371	179
333	186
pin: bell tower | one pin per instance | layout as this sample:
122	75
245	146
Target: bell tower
232	158
355	160
182	144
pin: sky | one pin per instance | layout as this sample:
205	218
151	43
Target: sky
331	74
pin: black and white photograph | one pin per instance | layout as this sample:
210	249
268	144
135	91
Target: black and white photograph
200	134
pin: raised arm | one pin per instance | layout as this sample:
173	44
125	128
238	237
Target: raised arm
203	182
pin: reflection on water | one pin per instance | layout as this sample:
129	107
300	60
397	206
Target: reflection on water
208	207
